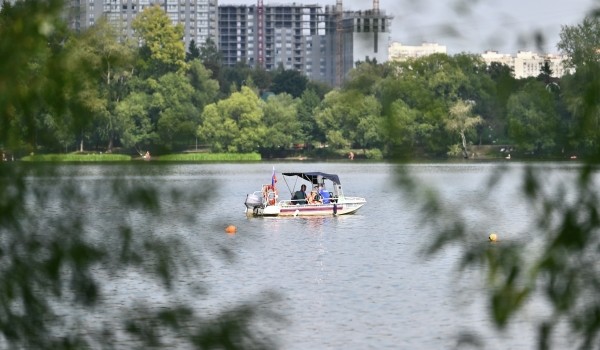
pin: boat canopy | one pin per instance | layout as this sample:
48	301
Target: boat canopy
313	177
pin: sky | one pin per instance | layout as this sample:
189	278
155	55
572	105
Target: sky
472	26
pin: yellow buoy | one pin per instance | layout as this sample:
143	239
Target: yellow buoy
493	237
230	229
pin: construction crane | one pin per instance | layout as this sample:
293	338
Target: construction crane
260	8
375	36
339	36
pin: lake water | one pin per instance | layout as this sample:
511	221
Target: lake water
359	281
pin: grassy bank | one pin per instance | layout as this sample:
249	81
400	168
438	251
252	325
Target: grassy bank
77	157
106	157
210	157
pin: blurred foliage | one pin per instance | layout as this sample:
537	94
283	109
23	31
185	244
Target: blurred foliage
555	262
55	257
61	263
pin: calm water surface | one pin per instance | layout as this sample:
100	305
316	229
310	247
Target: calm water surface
349	282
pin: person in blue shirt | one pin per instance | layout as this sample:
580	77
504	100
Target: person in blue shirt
324	194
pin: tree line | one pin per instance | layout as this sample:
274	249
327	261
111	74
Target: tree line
150	93
53	90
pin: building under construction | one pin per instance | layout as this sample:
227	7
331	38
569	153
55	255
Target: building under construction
323	42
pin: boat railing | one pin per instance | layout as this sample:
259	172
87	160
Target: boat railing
293	203
354	199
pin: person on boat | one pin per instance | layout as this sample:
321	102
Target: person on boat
314	197
300	197
324	194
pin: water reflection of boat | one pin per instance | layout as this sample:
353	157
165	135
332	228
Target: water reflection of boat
267	202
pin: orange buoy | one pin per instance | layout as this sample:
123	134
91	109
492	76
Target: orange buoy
230	229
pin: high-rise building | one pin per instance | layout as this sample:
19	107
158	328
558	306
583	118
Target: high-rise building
293	36
199	17
324	43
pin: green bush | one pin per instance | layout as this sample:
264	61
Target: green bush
374	154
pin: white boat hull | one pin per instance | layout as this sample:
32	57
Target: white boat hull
285	208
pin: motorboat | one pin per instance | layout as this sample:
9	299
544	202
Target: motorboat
268	201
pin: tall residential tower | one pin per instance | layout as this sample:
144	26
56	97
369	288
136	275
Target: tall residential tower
199	17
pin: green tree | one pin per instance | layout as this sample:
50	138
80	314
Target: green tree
579	93
193	51
505	84
480	88
289	81
580	42
211	58
281	119
138	131
320	88
404	131
234	124
309	131
261	78
162	42
233	78
580	90
461	120
163	114
348	118
431	86
178	117
206	89
366	77
532	119
110	62
410	85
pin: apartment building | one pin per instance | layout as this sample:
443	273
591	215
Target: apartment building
400	52
524	65
528	64
199	17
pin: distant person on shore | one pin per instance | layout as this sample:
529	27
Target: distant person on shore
351	155
147	155
300	197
